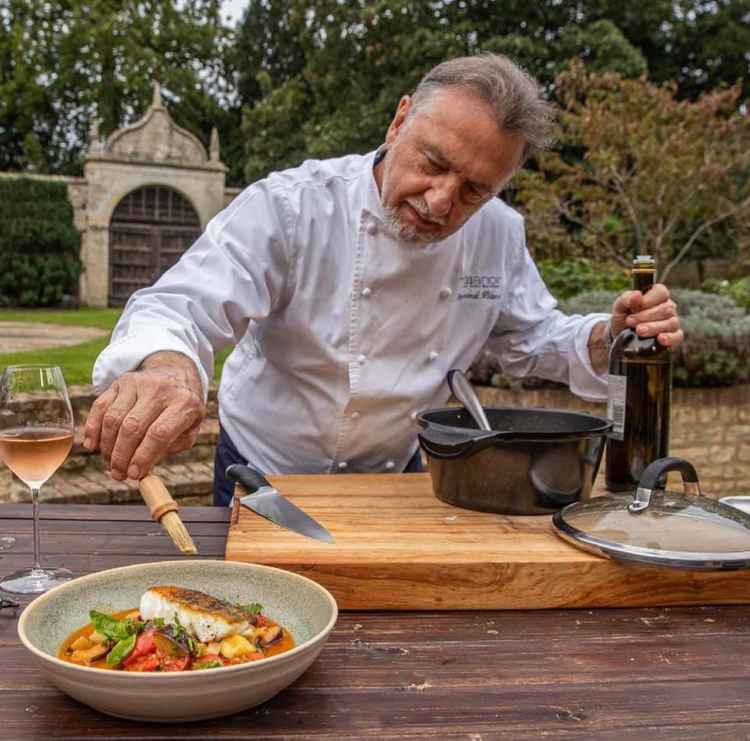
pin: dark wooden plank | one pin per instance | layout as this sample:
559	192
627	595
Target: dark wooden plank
97	545
97	512
406	665
614	628
106	527
303	712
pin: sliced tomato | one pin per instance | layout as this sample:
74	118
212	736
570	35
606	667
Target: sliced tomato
143	646
147	663
207	659
172	664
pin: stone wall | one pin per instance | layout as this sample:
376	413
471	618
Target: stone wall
709	427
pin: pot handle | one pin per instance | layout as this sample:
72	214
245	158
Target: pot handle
656	472
446	443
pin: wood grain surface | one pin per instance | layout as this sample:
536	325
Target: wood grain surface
399	548
676	673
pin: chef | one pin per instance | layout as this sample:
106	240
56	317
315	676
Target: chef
349	287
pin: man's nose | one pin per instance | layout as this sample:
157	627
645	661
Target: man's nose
440	196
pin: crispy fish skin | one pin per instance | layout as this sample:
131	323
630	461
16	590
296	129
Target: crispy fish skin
204	617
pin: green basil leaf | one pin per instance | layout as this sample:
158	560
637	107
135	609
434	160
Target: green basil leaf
213	664
121	650
117	630
254	608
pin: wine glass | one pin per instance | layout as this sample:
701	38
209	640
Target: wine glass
36	435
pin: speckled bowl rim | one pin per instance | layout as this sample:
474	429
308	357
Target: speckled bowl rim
173	676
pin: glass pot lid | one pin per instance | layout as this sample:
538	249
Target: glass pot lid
662	528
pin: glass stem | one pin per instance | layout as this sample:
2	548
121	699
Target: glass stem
35	515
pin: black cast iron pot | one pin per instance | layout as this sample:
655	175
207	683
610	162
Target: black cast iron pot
532	462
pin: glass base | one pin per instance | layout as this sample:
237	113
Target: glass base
34	581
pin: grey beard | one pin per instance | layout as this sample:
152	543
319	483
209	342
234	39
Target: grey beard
400	231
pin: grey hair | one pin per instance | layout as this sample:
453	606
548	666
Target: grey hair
512	95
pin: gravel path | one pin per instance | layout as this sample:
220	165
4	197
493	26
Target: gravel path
19	336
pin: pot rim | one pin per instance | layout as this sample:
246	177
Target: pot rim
521	437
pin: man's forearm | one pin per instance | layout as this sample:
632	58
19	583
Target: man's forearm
598	345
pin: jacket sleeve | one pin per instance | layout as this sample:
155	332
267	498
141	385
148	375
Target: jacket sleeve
532	337
236	272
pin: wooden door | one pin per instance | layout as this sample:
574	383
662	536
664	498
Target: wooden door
150	230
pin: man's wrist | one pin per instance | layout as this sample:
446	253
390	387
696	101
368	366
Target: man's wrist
175	365
599	344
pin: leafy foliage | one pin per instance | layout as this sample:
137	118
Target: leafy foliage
39	261
568	277
716	350
323	78
315	77
638	171
64	63
738	290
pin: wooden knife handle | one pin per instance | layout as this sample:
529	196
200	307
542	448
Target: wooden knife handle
158	499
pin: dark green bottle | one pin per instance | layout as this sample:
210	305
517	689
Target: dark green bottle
640	396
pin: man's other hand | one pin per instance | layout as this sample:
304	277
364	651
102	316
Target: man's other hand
147	414
653	314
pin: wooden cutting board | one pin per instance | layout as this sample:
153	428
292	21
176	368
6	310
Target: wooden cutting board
398	547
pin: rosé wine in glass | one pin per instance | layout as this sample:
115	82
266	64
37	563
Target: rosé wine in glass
36	435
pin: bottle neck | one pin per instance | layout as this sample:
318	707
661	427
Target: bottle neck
643	279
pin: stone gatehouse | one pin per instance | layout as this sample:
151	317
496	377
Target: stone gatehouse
147	192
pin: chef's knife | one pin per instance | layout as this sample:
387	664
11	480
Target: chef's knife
267	502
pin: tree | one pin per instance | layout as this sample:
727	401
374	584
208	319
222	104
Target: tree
64	63
639	171
323	77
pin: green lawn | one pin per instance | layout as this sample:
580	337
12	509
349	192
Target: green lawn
76	361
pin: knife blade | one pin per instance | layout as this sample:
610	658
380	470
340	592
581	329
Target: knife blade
268	502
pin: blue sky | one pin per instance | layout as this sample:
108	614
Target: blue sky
233	8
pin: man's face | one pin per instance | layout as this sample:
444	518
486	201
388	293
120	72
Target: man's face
443	163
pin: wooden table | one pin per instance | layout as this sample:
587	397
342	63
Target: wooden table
678	673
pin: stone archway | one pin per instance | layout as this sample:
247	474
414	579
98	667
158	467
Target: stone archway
164	185
151	228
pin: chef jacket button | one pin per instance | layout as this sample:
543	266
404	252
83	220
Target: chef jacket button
361	359
366	292
343	465
355	415
433	355
390	465
372	228
445	292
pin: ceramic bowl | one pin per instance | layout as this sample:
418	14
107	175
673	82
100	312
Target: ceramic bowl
299	604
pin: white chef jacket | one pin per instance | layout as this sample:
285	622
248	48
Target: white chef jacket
343	334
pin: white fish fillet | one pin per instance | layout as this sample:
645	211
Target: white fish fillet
203	617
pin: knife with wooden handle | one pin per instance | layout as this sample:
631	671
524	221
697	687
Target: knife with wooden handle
163	509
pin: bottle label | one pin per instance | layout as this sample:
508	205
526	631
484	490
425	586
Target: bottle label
616	405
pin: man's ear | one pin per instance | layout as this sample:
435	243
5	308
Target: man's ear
404	105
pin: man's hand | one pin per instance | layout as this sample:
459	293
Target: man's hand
652	314
147	414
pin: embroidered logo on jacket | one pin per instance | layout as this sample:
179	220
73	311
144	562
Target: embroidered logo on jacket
478	287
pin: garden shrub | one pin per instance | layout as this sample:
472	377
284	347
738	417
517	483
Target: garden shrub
575	275
39	245
715	352
738	290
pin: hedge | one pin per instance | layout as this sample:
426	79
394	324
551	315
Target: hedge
715	352
39	245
